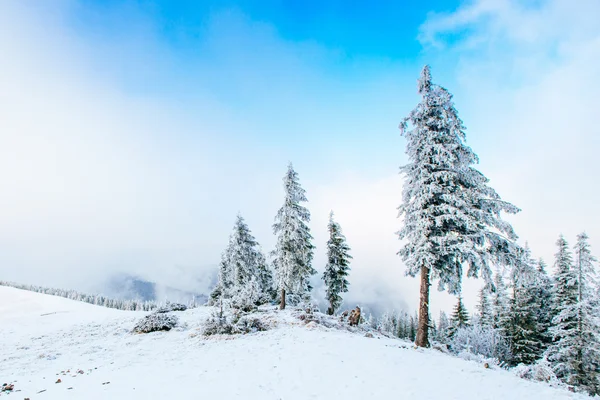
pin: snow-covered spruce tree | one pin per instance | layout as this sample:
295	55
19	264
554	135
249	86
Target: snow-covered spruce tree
575	353
443	328
565	352
243	274
522	329
543	292
499	300
224	277
294	249
459	318
484	308
451	216
338	265
588	324
265	279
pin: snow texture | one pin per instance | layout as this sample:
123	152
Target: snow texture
91	349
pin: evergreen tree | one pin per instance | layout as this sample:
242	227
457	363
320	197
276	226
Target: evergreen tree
484	308
563	353
294	250
265	278
336	270
243	273
522	330
443	328
224	277
459	318
451	217
543	292
588	324
499	300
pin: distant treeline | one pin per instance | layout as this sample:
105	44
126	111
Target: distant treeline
99	300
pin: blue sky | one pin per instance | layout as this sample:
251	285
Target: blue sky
132	133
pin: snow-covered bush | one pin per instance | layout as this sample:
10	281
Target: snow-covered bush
249	324
540	371
156	322
221	323
217	324
480	340
171	307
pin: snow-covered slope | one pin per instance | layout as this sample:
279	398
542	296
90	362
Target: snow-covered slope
91	350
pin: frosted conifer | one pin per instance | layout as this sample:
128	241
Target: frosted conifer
242	265
522	330
459	318
563	353
294	249
575	353
451	216
484	308
338	265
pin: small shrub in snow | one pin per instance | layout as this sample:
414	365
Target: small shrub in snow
217	324
171	307
156	322
249	324
479	340
540	371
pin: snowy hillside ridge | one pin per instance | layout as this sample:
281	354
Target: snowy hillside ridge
99	300
62	349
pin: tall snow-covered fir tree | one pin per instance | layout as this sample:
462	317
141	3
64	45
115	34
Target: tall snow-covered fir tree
451	217
338	266
522	330
443	328
543	289
224	277
499	300
575	353
459	318
244	276
484	308
567	351
294	249
588	324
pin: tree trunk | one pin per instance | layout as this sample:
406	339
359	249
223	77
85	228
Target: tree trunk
423	328
282	302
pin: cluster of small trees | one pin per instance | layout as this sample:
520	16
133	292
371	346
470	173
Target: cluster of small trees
536	317
99	300
247	280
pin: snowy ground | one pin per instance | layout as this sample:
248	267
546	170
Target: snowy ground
91	350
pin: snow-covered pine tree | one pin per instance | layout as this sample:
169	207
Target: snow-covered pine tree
543	289
459	318
243	271
224	277
265	279
484	308
522	330
587	344
294	249
387	323
451	216
443	327
499	300
338	265
565	353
